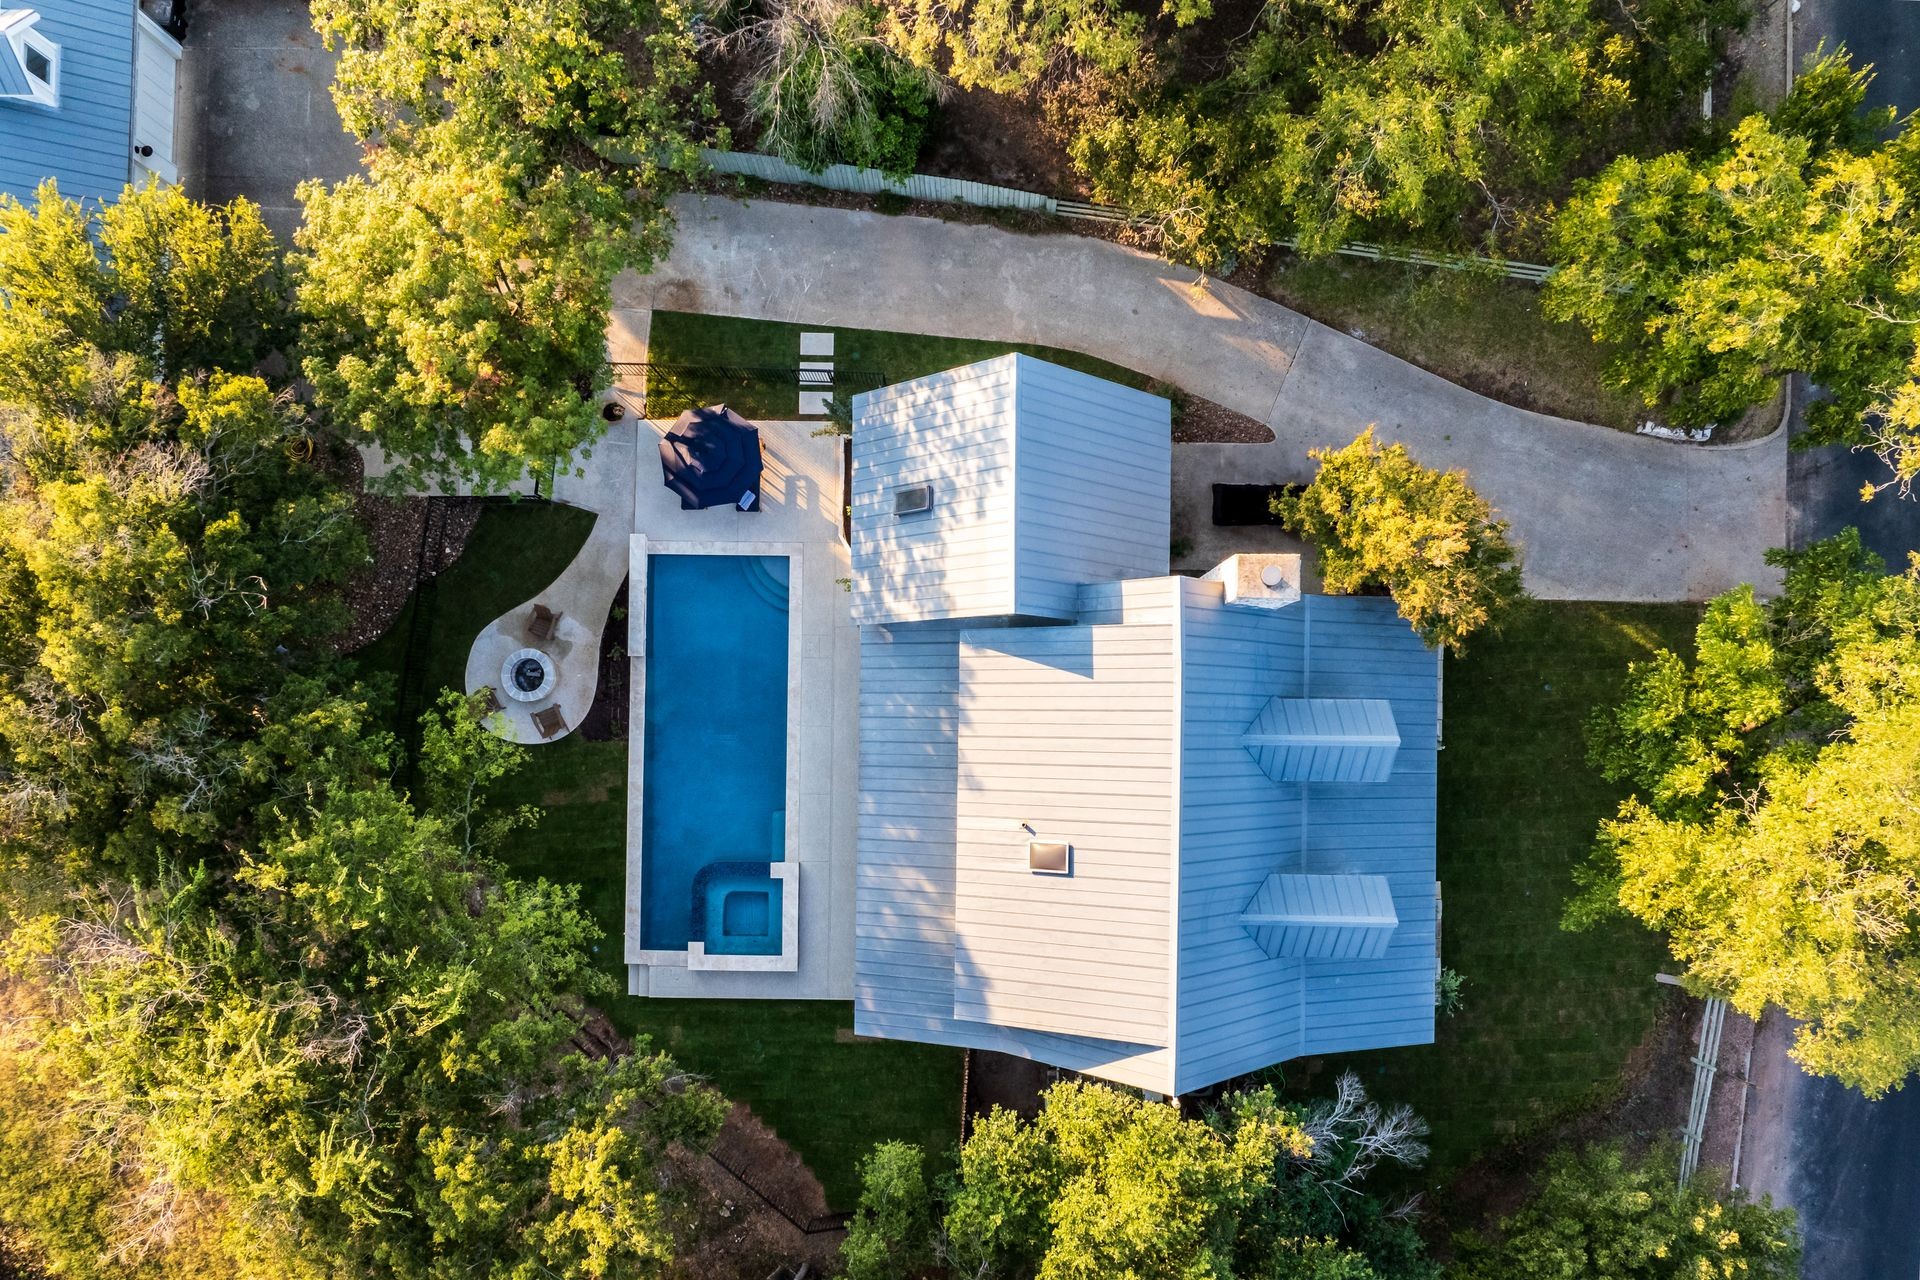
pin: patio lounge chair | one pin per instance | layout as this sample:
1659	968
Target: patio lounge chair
493	700
550	722
543	623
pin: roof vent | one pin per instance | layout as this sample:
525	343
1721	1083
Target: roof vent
913	500
1047	858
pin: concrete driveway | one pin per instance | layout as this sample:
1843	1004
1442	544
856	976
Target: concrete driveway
1602	515
256	118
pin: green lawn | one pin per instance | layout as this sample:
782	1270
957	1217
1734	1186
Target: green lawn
1549	1016
794	1062
1486	334
703	349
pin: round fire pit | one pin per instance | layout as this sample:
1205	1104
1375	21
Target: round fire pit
527	675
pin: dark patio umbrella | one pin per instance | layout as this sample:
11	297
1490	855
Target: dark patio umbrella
711	458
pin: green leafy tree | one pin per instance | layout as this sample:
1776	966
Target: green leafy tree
1009	45
891	1234
181	288
1598	1216
1103	1183
1788	252
362	1050
1106	1185
520	155
825	88
1402	121
1380	520
1772	834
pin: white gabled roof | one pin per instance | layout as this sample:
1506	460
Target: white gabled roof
1069	735
1215	920
1040	477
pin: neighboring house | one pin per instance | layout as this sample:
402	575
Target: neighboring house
1158	829
87	96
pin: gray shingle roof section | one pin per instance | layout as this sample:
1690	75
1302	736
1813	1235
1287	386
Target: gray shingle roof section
1324	739
85	143
1234	1007
1042	477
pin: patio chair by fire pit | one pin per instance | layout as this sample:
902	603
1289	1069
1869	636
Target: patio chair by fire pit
550	722
543	623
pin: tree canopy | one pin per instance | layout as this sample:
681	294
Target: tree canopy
1105	1184
519	156
1381	520
1412	119
266	1012
1772	833
177	287
1599	1216
1790	251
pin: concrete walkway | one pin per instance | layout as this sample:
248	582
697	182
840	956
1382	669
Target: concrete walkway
581	595
1602	515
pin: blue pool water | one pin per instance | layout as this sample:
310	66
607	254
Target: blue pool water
714	747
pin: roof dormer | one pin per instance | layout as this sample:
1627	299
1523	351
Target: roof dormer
29	62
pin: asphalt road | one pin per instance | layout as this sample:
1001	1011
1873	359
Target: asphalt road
1856	1182
1883	32
1823	497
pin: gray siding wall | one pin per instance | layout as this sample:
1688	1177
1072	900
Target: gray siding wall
953	430
1093	483
1070	731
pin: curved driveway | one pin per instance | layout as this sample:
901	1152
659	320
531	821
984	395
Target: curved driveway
1602	515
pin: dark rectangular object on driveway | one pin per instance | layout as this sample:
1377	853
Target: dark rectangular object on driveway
1248	504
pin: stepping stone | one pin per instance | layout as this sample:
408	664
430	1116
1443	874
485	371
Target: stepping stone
816	344
816	373
813	404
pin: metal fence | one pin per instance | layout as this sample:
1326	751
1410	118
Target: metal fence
846	177
925	186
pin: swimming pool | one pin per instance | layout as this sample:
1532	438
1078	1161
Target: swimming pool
714	748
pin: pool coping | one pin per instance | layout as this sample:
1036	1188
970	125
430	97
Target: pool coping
639	549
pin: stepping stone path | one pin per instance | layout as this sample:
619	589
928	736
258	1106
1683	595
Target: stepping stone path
815	373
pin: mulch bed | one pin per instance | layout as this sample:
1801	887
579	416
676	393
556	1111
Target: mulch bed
396	564
606	719
1004	1080
1204	422
734	1231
